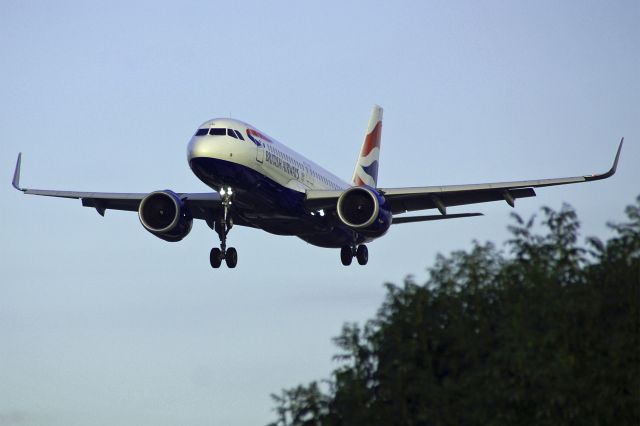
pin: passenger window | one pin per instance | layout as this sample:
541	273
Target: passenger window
202	132
232	133
239	135
217	132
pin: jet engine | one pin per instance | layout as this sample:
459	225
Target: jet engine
364	210
164	215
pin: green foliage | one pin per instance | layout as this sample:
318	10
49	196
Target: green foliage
548	333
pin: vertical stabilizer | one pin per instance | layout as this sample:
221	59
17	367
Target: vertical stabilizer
366	171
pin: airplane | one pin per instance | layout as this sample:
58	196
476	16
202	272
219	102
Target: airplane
259	182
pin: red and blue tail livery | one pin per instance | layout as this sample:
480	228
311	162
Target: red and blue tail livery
258	182
366	171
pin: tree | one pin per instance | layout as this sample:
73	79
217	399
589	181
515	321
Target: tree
547	332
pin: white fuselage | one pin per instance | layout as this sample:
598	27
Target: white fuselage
261	153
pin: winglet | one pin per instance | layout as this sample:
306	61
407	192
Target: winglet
16	174
613	168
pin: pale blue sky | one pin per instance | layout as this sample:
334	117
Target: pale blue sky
102	323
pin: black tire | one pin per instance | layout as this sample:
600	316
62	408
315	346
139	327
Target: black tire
215	257
346	255
231	257
362	254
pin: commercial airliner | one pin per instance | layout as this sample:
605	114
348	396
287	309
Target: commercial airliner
260	183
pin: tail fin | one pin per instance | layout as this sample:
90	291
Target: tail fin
366	171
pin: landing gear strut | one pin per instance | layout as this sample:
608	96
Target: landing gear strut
222	226
361	253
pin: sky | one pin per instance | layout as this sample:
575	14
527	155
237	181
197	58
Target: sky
103	323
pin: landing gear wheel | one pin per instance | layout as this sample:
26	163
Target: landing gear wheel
346	255
362	254
231	257
215	257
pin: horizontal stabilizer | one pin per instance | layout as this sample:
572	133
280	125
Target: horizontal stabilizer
412	219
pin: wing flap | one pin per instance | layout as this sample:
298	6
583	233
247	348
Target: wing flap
405	200
103	204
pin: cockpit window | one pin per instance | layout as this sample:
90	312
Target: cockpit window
217	131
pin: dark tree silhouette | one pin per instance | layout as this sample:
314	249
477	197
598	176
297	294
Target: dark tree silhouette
546	332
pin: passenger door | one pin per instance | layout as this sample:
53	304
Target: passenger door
260	153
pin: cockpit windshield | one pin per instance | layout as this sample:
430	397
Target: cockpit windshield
218	131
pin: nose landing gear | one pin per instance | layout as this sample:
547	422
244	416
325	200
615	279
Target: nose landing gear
361	253
222	226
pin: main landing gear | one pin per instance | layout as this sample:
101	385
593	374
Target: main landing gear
222	226
347	253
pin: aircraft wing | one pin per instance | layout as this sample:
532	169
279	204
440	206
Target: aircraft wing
403	200
200	204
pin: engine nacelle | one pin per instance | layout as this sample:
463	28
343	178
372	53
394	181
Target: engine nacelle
364	210
164	215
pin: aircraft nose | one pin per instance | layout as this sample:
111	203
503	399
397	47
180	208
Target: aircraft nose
198	147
